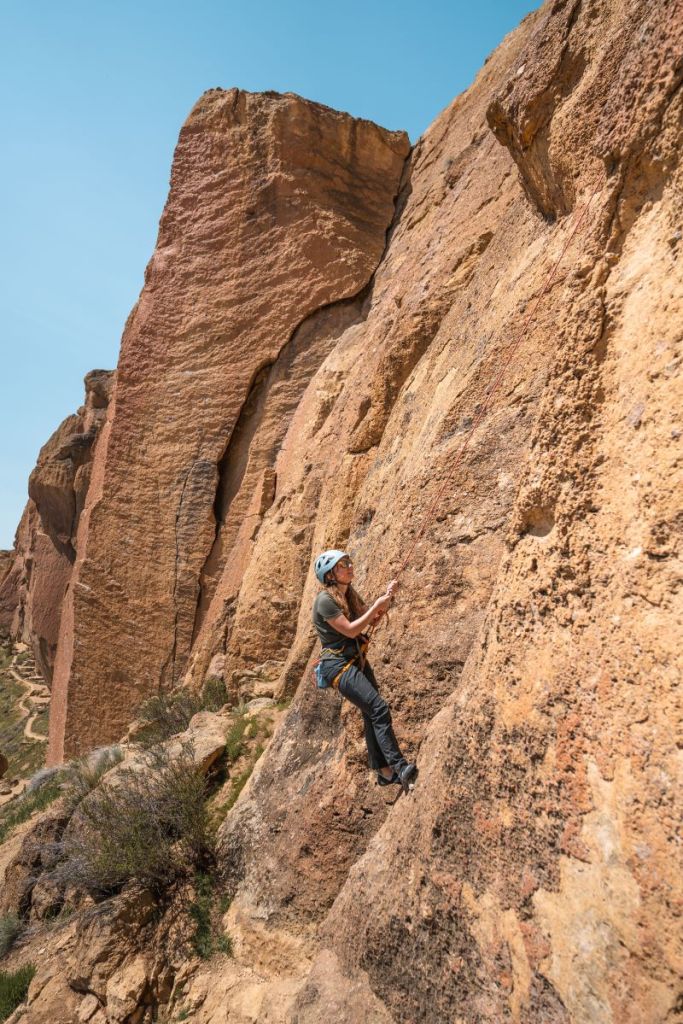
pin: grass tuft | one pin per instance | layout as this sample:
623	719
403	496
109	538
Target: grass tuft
16	813
234	739
14	989
82	777
214	694
166	715
207	938
10	929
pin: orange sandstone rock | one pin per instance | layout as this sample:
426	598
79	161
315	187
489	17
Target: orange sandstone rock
532	659
38	570
277	207
545	804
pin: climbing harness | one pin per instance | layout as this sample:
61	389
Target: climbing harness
330	654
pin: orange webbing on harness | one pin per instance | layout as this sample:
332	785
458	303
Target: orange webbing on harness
359	655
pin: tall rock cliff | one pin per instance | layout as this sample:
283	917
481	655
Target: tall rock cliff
278	207
319	331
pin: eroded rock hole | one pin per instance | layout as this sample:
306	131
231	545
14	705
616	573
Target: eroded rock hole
539	521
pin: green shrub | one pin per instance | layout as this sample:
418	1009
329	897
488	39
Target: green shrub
82	777
14	989
167	714
214	694
234	739
224	944
207	938
240	781
148	825
10	927
38	800
237	786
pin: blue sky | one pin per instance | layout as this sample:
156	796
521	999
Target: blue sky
93	97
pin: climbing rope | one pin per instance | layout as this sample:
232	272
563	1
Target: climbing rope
508	355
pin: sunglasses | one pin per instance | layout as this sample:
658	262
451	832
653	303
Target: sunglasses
345	563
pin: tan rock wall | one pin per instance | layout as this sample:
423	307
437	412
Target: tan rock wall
529	877
33	586
277	207
531	662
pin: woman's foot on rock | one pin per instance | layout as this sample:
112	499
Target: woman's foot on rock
407	776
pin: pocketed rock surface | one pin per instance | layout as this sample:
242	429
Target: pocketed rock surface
532	660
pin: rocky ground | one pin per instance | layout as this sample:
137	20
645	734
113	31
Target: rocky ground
128	954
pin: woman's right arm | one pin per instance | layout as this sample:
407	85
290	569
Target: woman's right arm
353	629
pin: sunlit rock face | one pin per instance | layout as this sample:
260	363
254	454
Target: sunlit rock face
278	207
323	320
532	659
37	571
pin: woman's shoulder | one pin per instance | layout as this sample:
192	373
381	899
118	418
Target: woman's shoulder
325	606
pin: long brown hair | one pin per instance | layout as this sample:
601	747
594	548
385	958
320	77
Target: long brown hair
351	603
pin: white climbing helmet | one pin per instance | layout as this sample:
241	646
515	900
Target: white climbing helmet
327	561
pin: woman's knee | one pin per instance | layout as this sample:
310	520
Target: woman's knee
380	711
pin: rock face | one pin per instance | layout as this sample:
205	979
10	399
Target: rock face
278	207
37	572
277	395
529	877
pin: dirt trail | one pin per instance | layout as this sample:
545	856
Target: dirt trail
33	702
35	699
31	712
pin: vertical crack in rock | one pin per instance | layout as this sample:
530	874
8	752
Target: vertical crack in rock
242	488
170	662
265	415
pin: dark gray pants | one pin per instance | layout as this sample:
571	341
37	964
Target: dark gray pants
361	689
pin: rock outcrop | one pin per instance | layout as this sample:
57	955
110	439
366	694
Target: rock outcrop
278	207
529	878
37	572
287	384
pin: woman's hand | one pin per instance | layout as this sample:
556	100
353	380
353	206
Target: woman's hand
370	615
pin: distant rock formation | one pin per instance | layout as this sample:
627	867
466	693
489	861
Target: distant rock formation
35	575
321	321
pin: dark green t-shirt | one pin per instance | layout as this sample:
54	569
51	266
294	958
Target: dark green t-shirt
324	608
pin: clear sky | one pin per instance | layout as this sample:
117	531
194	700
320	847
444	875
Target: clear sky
93	96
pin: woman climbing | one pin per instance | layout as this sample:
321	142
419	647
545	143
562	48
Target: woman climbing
340	616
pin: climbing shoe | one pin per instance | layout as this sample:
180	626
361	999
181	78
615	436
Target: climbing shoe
406	776
394	780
